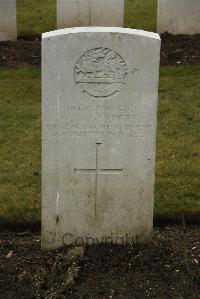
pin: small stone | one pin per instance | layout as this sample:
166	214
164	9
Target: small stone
9	255
167	266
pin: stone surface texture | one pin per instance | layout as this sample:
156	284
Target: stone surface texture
99	100
8	22
179	16
77	13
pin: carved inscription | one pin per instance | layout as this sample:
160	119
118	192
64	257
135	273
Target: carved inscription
98	171
100	121
101	73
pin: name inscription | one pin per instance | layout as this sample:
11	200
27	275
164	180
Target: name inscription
100	121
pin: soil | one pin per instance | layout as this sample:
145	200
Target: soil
167	267
176	50
180	49
25	52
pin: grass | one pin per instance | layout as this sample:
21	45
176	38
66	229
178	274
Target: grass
177	174
177	181
37	16
141	14
20	144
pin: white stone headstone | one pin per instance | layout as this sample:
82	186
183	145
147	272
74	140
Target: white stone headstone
99	120
179	16
8	22
77	13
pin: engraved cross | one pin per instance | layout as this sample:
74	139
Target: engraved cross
98	171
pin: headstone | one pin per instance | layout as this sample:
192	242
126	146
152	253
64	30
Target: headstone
8	22
77	13
99	135
179	16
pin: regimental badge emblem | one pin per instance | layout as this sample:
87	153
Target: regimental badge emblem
101	73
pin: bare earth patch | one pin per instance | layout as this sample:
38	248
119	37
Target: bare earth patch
180	49
167	267
25	52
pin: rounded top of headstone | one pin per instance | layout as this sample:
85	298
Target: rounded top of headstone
114	30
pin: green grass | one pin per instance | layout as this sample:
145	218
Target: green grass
37	16
20	145
141	14
177	174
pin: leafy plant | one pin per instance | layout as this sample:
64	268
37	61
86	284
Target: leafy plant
55	281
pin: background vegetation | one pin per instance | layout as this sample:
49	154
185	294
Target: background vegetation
177	179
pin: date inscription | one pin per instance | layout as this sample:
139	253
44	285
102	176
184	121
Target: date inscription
99	121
